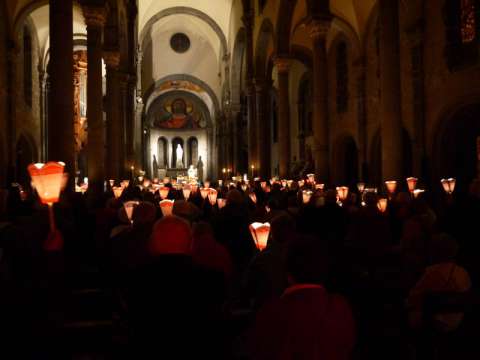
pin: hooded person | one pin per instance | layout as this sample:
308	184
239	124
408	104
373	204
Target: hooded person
172	301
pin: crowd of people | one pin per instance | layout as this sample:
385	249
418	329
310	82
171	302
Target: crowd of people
337	280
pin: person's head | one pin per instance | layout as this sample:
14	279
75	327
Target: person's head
186	210
234	197
307	261
283	228
443	248
171	235
144	213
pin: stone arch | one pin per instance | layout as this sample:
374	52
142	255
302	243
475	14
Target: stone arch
302	54
345	160
265	35
192	154
150	95
186	11
163	150
454	149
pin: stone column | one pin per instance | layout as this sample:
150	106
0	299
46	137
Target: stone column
318	32
415	38
123	116
262	133
95	18
42	84
113	128
390	109
362	118
283	67
61	142
250	91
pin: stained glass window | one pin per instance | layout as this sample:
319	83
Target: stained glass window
467	13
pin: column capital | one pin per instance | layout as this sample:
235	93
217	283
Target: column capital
282	63
95	16
111	58
318	27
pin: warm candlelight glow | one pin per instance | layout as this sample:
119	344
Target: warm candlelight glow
129	207
306	196
253	197
244	187
361	187
212	196
167	207
164	192
186	191
382	205
117	191
301	183
263	184
204	192
391	186
260	234
111	182
47	179
125	183
319	186
342	192
417	192
448	185
221	203
311	178
412	183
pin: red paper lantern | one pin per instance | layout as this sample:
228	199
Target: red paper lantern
47	179
260	234
167	207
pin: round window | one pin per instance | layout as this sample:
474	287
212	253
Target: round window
180	42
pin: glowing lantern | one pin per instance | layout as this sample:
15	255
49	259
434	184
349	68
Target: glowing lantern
306	196
186	191
111	182
417	192
263	184
117	191
125	183
146	183
220	183
412	183
204	192
167	207
244	187
212	196
129	207
311	178
164	192
166	180
47	179
382	205
289	183
253	197
391	186
448	185
301	183
320	186
361	187
221	203
284	183
342	192
260	234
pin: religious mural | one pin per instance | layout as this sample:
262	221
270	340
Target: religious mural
178	113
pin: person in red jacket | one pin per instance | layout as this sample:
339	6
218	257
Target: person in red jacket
306	322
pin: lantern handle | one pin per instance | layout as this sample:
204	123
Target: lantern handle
51	218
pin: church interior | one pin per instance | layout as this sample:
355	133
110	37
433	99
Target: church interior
240	179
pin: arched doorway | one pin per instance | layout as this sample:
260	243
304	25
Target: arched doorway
456	152
192	155
346	161
162	151
25	156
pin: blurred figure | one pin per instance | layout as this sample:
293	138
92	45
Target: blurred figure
306	322
174	304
